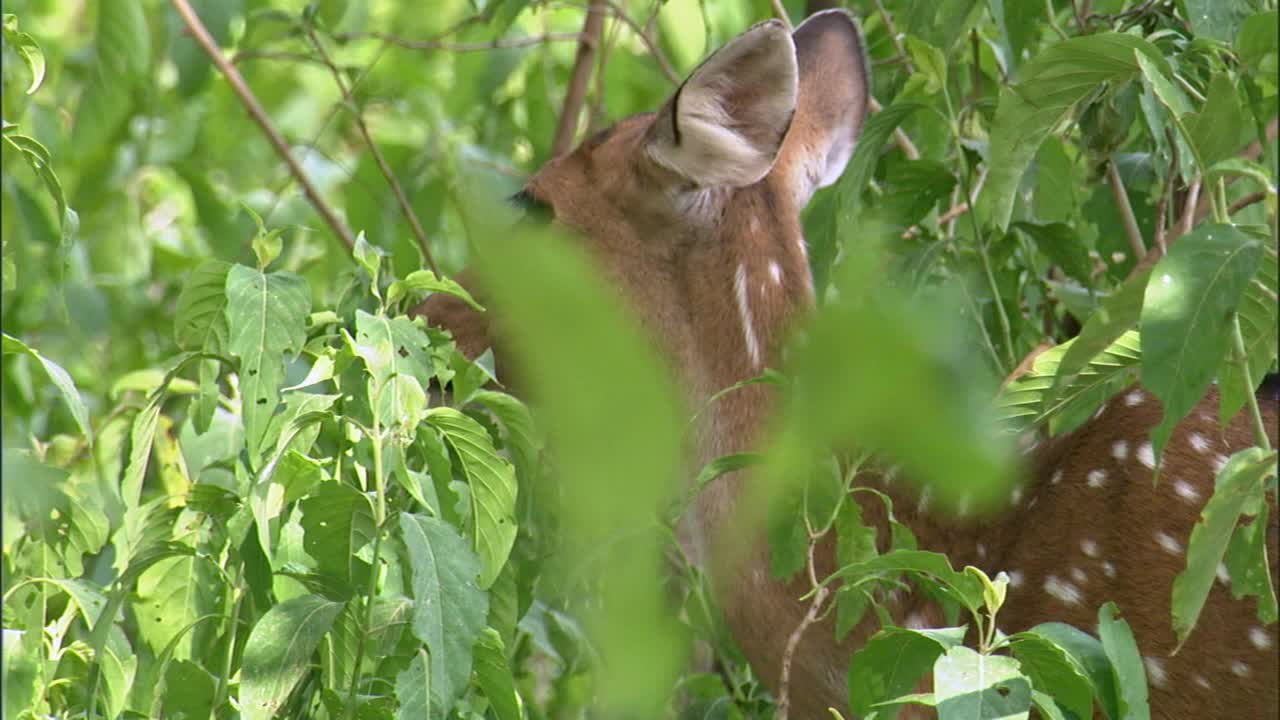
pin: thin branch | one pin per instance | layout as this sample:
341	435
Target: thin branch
812	616
378	158
238	86
1121	198
949	217
436	44
567	127
1246	201
895	38
1189	209
780	12
663	64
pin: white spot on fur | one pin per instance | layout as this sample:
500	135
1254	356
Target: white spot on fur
1134	398
982	551
1079	576
1089	548
744	310
1015	497
1219	462
1240	669
915	621
1015	578
1186	491
1198	442
1056	477
1097	478
1108	569
1221	573
923	505
1062	591
1120	449
1168	543
775	272
1156	672
1259	638
1202	681
1146	455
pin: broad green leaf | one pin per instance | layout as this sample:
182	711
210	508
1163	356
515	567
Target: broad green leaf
392	346
338	522
172	594
1218	19
1248	566
449	609
1238	484
422	282
413	688
1257	38
893	661
1033	399
522	440
1061	243
199	319
188	690
493	488
141	438
855	543
1259	316
279	650
1126	663
1186	317
962	587
266	316
1052	85
495	678
1089	655
61	380
1054	671
1218	130
970	686
1116	315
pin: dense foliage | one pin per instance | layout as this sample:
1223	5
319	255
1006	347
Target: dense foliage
240	482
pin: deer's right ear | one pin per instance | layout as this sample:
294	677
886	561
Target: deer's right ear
726	123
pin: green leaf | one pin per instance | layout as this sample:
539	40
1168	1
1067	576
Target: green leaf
172	594
494	676
449	610
1126	662
279	650
141	438
979	687
1218	19
1089	655
493	488
855	543
266	315
1053	84
1062	244
413	688
1257	38
188	691
337	520
962	587
1259	316
1054	671
1238	485
1186	317
1247	564
423	282
27	48
61	380
1116	315
522	441
1218	130
892	661
199	319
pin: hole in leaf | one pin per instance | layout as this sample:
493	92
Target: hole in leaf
1003	690
262	401
402	352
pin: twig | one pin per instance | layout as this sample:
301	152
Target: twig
1121	198
577	92
1246	201
378	158
780	12
238	86
820	594
895	38
663	64
434	44
904	143
1189	209
1166	197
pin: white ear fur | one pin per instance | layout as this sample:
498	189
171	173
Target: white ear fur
725	125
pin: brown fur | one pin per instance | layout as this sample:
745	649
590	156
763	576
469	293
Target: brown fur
689	259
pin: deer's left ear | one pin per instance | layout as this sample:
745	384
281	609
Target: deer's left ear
833	97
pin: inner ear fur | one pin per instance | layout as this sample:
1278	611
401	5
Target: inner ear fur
833	97
727	122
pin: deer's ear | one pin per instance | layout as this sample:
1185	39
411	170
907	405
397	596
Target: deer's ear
726	123
834	93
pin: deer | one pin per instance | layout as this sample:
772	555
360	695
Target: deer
693	211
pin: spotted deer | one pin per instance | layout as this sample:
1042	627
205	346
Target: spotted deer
693	211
